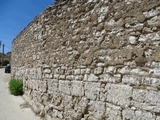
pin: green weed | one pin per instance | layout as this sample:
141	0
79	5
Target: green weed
16	87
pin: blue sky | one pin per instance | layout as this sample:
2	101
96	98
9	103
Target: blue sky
15	15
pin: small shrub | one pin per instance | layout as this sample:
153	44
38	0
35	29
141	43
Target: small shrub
16	87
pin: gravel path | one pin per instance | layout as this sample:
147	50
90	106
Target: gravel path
10	105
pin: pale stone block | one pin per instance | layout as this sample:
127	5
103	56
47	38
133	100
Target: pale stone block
146	81
52	85
78	77
92	77
85	78
56	99
39	73
124	70
47	71
77	88
146	99
57	114
92	90
98	70
83	71
62	77
155	64
113	112
119	94
140	115
155	72
47	76
98	109
70	77
100	64
83	102
77	71
132	39
131	80
152	12
35	85
139	71
65	87
110	78
42	86
56	76
146	106
110	69
88	71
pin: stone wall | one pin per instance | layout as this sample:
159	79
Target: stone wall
92	60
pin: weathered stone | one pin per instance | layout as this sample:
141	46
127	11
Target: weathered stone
92	77
133	115
93	60
77	88
92	90
131	80
113	112
64	86
119	94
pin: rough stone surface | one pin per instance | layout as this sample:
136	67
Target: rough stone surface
92	60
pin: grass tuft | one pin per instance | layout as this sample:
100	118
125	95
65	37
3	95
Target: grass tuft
16	87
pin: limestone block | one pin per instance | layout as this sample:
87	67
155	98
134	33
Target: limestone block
110	69
98	108
150	36
92	90
98	70
110	78
85	78
57	114
155	64
65	87
148	99
155	72
134	115
56	99
152	12
83	102
88	70
113	112
83	71
100	64
35	85
62	77
119	94
132	40
77	88
145	106
70	77
39	73
124	70
77	71
47	76
52	85
43	86
146	81
47	71
92	77
138	71
56	76
78	77
131	80
154	21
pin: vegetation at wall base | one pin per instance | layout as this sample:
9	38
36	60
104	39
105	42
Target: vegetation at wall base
16	87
